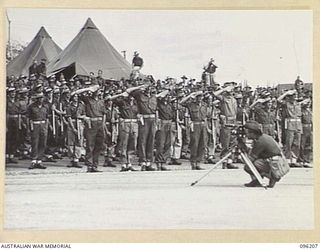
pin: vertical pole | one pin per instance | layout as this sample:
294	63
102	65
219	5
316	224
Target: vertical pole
9	36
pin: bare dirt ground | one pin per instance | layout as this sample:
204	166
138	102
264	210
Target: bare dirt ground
68	198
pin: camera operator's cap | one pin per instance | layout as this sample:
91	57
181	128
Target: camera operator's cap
253	125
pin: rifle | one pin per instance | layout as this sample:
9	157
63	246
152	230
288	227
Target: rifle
61	119
178	128
53	123
279	132
19	121
213	128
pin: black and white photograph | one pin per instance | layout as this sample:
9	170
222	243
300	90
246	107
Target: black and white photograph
159	119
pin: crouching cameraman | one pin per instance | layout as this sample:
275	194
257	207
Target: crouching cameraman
265	155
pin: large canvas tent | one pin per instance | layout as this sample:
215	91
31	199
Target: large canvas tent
88	52
41	47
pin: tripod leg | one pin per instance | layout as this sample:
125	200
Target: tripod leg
253	169
214	167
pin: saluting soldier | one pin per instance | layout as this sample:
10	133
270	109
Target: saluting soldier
228	115
198	135
209	71
75	114
147	106
38	117
264	115
13	116
291	111
128	128
166	117
110	139
94	126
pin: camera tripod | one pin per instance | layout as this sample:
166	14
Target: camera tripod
246	160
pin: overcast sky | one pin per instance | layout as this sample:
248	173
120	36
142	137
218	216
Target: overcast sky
262	47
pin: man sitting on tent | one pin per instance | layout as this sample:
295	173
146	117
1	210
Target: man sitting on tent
33	68
42	69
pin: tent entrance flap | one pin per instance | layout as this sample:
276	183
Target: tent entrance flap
68	72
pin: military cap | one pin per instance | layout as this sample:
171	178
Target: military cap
136	53
66	90
43	60
23	90
56	90
184	77
253	125
38	86
33	77
11	89
48	90
265	94
37	95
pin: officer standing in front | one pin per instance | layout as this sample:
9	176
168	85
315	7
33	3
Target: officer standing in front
95	129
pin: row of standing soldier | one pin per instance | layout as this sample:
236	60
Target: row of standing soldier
184	118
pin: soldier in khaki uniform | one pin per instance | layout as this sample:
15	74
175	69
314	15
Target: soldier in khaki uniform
94	126
306	136
13	113
147	107
38	114
166	116
128	128
264	115
291	111
228	115
75	114
198	137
